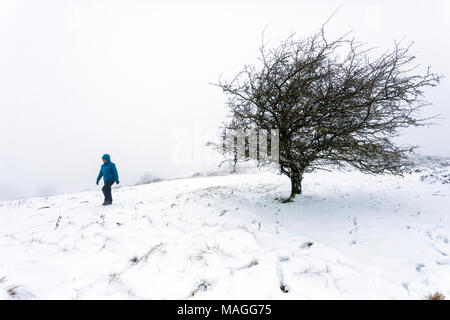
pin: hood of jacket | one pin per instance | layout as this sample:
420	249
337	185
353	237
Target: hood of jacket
106	157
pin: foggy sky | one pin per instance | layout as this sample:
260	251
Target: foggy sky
132	79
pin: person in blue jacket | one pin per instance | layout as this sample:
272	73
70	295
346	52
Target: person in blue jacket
109	173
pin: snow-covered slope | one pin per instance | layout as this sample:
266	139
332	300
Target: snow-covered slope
349	236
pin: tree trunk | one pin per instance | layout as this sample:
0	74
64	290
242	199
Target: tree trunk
296	183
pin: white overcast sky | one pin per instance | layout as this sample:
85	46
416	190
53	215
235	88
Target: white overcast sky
131	78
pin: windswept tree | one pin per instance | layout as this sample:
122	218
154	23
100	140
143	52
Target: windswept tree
333	102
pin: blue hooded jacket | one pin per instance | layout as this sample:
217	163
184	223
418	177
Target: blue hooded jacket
108	170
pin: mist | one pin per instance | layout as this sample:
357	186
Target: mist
133	79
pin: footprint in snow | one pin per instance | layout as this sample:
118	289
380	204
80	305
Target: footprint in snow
445	254
419	267
406	286
354	231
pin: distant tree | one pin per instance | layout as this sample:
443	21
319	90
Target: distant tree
332	102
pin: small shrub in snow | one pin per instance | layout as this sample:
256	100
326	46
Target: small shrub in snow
306	245
12	291
253	263
113	277
201	287
135	259
436	296
284	288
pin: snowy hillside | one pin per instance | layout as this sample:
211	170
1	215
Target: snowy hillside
349	236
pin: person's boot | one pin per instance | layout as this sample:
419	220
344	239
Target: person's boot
107	203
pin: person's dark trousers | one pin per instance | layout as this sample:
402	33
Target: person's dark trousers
107	190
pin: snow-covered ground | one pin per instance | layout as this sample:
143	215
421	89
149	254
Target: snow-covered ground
349	236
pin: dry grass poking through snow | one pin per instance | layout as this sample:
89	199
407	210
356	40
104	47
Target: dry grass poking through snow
436	296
